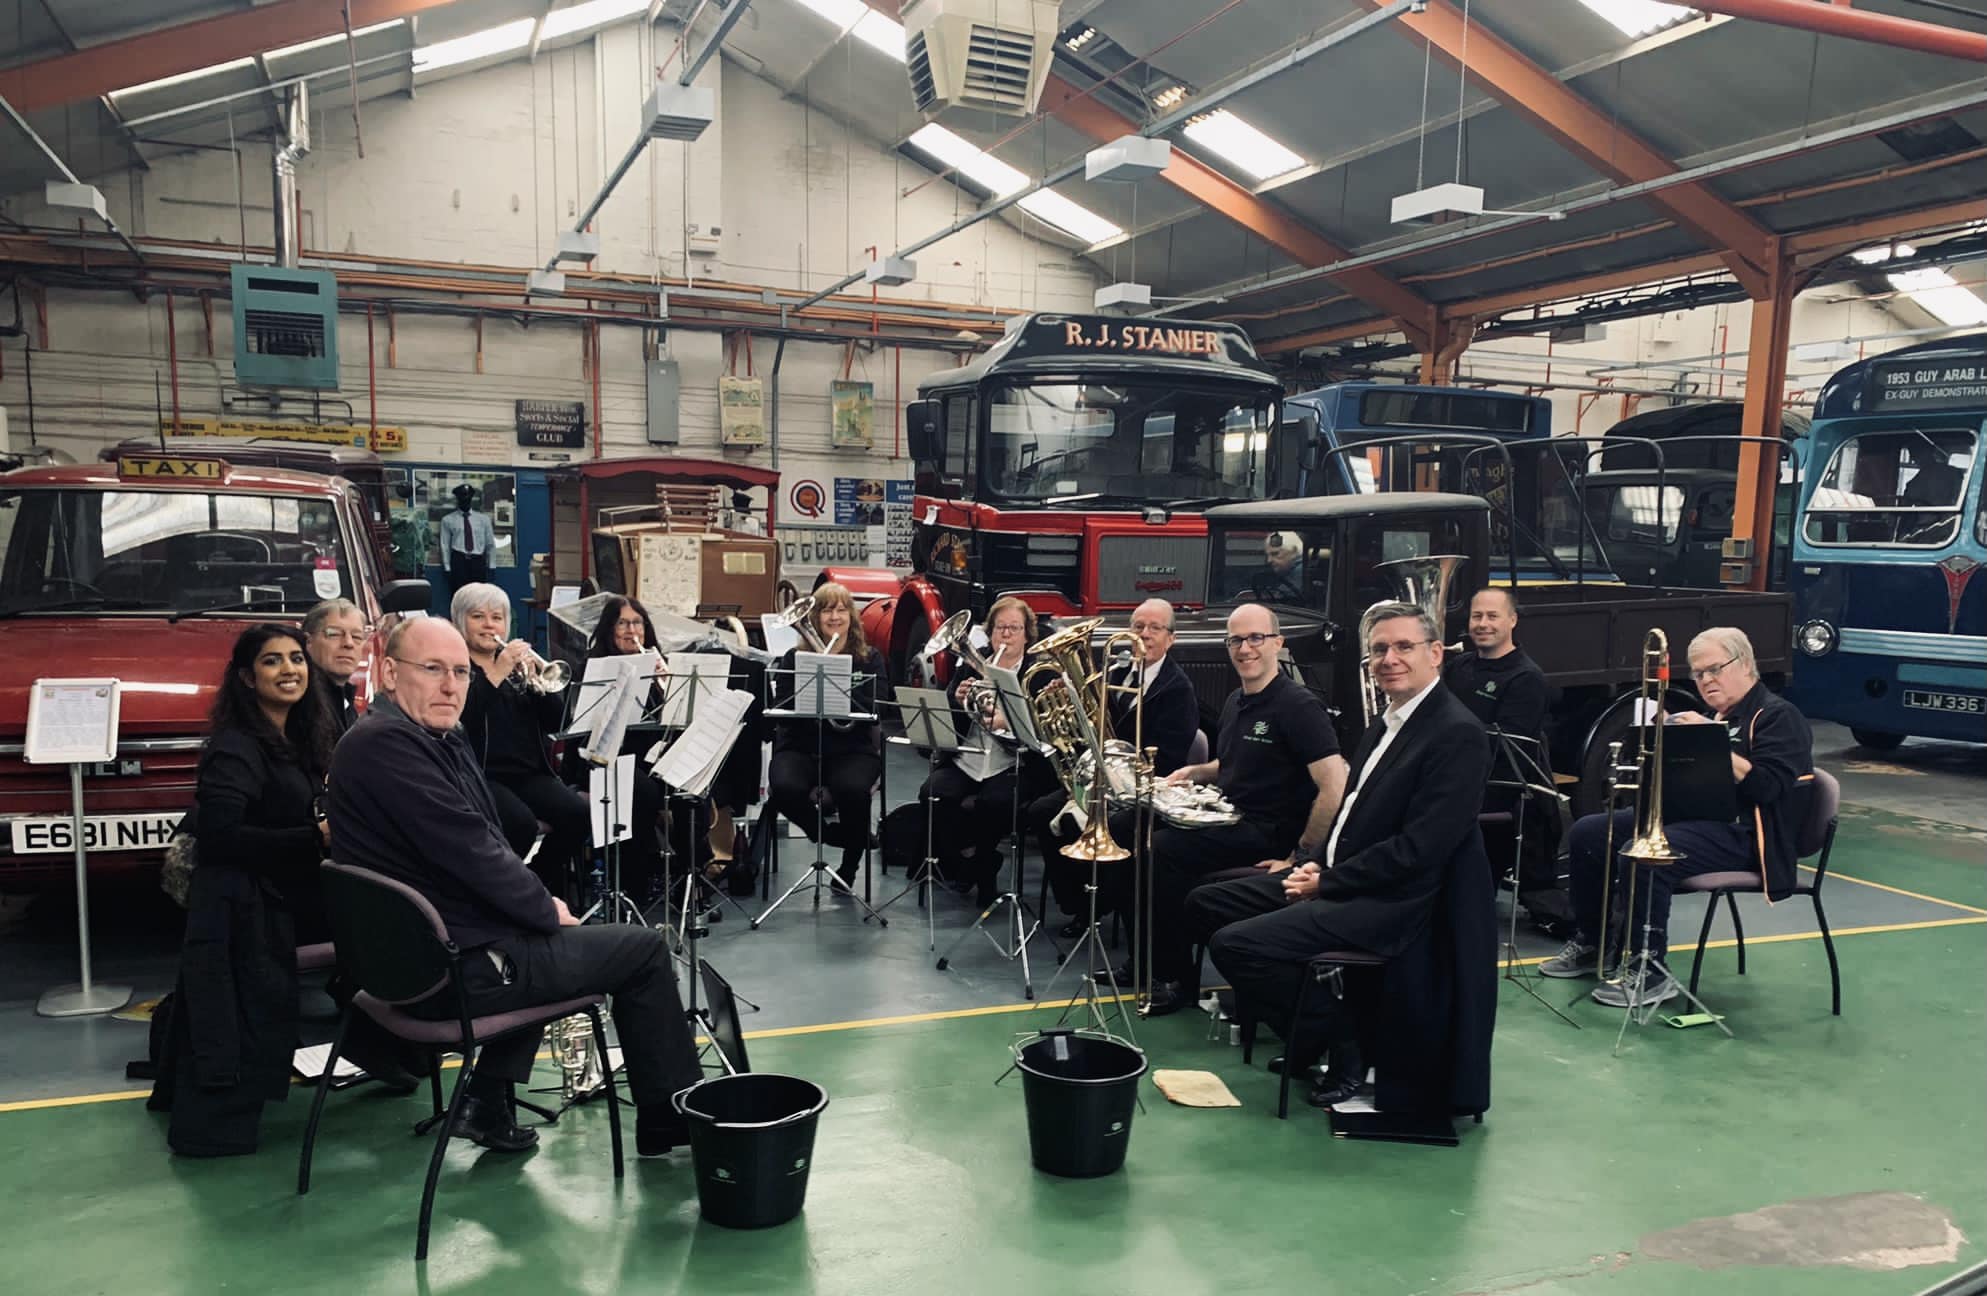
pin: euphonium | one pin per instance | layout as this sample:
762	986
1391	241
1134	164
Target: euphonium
1650	844
1072	715
582	1071
1423	582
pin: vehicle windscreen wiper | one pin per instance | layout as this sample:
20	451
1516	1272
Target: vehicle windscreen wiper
238	605
64	605
1203	501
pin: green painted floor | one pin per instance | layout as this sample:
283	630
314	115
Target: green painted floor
922	1181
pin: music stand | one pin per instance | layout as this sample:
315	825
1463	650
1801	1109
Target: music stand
1092	943
828	699
726	1037
1528	778
611	719
676	711
1023	922
934	731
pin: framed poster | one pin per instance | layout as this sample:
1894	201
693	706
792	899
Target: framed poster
72	722
852	407
741	411
551	425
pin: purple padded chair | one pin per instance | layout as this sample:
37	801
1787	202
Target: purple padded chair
395	948
1817	839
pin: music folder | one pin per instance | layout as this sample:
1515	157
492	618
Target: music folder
1697	774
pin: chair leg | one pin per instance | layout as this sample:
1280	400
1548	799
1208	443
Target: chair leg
435	1082
442	1137
317	1102
1738	928
1289	1054
1247	1021
1828	944
1703	935
613	1094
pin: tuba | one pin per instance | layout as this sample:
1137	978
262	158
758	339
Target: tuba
1072	715
1650	844
1423	582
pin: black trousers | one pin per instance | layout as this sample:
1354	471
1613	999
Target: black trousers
1706	847
792	778
466	569
630	963
1182	859
522	802
1069	878
973	814
1260	942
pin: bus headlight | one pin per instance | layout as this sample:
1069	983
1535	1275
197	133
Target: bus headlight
1816	638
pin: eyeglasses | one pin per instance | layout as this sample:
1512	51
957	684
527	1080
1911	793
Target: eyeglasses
635	624
1009	627
1401	647
1140	627
1700	674
435	670
339	635
1251	640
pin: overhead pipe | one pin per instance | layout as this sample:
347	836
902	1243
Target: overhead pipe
283	174
1194	106
1857	24
62	169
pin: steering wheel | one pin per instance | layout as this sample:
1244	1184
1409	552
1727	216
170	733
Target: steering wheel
71	582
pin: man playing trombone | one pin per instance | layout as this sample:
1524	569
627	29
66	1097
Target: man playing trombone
1277	762
1773	765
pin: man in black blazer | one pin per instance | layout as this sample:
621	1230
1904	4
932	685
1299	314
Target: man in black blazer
1170	724
1418	776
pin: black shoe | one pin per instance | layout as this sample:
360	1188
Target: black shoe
847	873
1343	1078
659	1131
487	1122
1166	1000
1309	1069
1073	929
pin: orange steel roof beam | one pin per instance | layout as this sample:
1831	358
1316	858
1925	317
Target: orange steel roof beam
1251	211
187	47
1590	135
1858	24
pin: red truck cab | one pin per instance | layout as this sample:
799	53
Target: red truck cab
145	570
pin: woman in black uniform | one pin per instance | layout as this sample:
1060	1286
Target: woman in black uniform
842	759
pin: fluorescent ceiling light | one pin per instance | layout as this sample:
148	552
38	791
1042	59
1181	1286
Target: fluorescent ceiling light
878	32
992	174
493	40
1639	17
1939	295
1883	252
1238	142
982	168
1171	95
1070	217
1081	39
335	39
163	82
593	13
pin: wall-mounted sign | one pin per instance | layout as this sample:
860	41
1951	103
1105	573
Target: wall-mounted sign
807	498
852	414
551	425
385	439
741	411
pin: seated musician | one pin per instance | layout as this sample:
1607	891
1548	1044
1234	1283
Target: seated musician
509	726
624	629
1277	762
1505	690
1373	880
823	770
1773	765
335	633
974	794
1170	722
406	799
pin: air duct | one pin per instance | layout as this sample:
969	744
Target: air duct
283	167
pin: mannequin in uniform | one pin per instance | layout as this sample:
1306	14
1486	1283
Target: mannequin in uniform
467	538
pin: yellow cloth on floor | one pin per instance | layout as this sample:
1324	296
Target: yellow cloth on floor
1194	1089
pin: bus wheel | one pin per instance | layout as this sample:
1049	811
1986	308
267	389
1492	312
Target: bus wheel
914	670
1876	741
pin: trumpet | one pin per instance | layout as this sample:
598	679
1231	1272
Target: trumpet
1649	845
1423	582
541	676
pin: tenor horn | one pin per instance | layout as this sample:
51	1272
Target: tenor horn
799	616
956	636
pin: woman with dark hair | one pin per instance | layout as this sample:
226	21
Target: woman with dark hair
624	629
840	760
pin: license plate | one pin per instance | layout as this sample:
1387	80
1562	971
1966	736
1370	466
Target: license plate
121	832
1958	703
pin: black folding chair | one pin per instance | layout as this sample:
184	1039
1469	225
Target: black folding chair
396	950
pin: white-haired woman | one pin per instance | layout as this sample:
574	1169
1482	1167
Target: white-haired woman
508	727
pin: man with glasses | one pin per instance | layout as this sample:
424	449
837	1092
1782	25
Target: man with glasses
407	799
335	635
1277	762
1773	765
1373	880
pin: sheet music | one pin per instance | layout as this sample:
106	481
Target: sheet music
612	717
309	1063
822	682
596	684
928	725
623	800
1014	705
781	639
690	763
693	679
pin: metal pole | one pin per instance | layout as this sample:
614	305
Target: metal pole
85	999
726	22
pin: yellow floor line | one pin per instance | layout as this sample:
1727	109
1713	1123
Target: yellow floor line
951	1014
1915	895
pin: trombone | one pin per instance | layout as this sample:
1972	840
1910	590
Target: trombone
1649	845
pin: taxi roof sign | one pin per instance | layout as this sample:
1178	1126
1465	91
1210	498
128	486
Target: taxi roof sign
173	467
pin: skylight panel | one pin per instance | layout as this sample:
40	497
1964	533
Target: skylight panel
982	168
1068	216
1253	152
593	13
1941	296
336	38
1883	252
843	13
1639	17
879	32
501	39
160	84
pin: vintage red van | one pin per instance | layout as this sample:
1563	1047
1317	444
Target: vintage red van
144	570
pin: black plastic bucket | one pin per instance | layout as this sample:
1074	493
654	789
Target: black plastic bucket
1080	1092
751	1143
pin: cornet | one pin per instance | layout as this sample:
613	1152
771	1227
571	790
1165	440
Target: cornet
541	676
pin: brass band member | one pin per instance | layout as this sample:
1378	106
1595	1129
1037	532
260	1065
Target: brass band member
1773	765
1374	879
624	629
1277	762
974	794
827	764
508	727
1170	723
